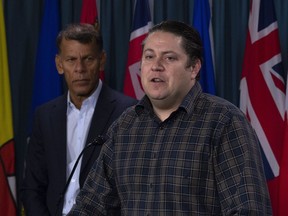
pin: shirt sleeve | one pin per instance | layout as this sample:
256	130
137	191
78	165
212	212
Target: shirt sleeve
99	194
241	183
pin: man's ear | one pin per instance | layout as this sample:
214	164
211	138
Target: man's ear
195	69
102	60
59	64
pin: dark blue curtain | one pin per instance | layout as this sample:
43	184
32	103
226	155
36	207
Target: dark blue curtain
23	19
230	20
115	23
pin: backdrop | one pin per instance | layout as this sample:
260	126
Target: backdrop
23	19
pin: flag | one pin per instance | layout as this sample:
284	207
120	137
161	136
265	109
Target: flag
202	22
262	90
283	181
89	14
141	25
7	153
47	81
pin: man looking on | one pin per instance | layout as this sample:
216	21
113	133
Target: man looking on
65	125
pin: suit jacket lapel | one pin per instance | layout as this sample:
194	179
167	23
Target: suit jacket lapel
99	124
58	122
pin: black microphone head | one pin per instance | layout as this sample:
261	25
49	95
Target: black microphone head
100	140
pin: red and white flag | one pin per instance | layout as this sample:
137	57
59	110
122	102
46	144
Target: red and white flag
262	96
141	25
283	181
89	14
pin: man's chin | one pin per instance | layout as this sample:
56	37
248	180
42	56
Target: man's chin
84	93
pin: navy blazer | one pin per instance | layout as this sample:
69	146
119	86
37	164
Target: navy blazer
45	171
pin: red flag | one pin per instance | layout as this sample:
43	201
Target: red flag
141	24
262	86
89	14
7	154
283	182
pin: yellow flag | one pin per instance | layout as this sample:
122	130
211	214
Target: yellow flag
7	154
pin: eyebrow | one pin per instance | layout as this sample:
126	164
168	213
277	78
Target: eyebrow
164	52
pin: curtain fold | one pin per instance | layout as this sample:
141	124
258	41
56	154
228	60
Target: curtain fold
230	19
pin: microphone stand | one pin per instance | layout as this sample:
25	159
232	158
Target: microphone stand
97	141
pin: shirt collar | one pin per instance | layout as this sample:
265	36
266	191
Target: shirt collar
91	100
188	104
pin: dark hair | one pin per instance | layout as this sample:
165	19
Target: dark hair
191	40
83	33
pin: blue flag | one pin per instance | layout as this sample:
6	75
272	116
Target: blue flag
47	82
201	21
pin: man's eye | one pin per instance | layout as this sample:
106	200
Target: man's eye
70	60
89	59
170	58
148	57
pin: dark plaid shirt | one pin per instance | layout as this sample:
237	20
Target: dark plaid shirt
203	160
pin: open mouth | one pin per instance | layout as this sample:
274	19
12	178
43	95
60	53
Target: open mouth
156	80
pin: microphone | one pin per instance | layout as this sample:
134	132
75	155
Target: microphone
97	141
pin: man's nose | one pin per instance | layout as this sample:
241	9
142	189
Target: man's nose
79	66
157	64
